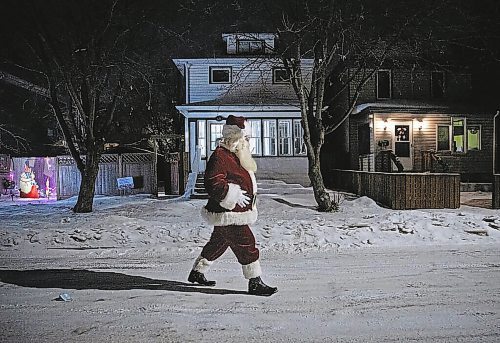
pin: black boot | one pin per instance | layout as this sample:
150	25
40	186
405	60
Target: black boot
257	287
199	278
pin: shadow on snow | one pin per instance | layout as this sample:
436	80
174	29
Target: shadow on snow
86	279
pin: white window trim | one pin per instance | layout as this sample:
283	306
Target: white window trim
465	135
450	136
275	80
260	41
211	79
281	140
480	137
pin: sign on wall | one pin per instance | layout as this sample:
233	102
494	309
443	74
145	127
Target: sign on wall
125	182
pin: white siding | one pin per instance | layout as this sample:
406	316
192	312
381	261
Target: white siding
251	80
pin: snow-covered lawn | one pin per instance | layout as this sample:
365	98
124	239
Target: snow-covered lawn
365	273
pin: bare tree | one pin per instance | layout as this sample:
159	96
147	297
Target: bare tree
348	41
93	58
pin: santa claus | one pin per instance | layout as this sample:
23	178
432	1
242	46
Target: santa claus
231	208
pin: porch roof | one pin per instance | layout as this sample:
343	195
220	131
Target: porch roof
412	106
262	105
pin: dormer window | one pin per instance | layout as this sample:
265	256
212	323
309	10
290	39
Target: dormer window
248	46
280	75
220	75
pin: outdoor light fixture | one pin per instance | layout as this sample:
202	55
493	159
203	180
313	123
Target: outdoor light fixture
385	125
420	125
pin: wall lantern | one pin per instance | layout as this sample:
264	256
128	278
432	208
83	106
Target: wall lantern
420	124
385	125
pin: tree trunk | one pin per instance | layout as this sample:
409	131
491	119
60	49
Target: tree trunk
87	187
320	194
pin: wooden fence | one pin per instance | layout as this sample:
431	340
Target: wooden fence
495	201
401	191
111	166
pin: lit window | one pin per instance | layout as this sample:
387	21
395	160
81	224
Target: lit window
474	137
220	74
215	134
247	46
384	84
437	84
255	136
443	138
202	138
269	137
299	147
285	137
280	75
458	134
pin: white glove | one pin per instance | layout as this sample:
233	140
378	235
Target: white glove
243	199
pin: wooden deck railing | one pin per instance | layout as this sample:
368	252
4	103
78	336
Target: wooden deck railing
402	191
496	191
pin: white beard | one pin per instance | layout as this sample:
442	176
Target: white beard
245	155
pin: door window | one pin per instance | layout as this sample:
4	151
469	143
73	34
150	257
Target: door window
402	143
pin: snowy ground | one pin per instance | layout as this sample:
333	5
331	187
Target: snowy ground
362	274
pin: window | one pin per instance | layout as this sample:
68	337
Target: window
443	138
248	46
364	139
437	84
299	147
285	137
384	84
280	75
474	137
220	75
202	137
458	126
215	134
255	136
269	137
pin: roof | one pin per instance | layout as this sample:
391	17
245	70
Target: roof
415	106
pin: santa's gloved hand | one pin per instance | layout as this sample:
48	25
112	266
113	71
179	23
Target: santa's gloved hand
243	199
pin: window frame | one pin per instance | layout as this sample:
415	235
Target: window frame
280	82
449	127
389	71
258	139
298	136
479	126
464	138
285	142
269	137
215	68
201	128
248	41
433	90
214	141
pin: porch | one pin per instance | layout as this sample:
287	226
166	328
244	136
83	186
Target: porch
401	191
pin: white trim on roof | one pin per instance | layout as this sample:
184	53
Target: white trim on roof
280	111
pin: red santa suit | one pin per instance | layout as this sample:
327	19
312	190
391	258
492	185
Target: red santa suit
227	181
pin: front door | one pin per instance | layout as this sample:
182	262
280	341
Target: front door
403	145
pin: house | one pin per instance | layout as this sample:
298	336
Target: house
247	80
423	119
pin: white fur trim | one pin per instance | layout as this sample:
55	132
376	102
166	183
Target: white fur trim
232	196
229	218
251	270
201	264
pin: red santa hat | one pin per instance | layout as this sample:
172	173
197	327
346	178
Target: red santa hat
234	128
